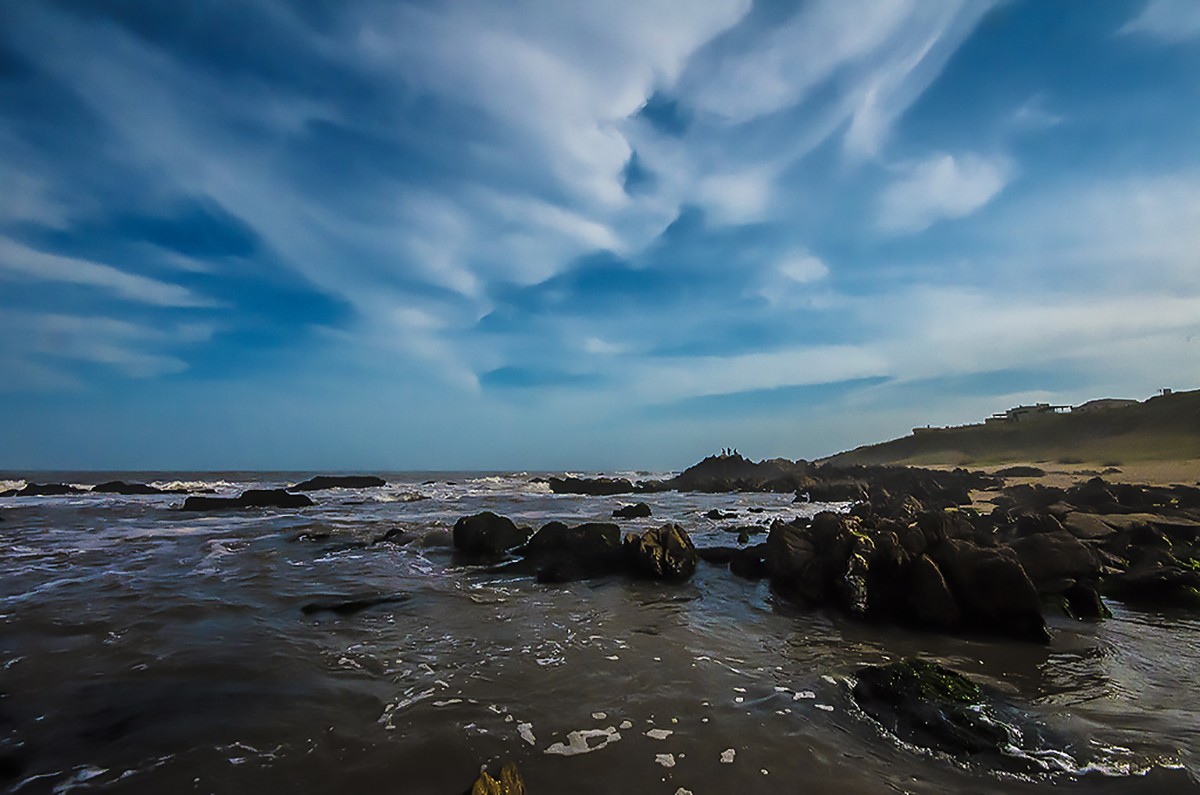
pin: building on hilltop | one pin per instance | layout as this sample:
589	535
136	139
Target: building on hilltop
1104	404
1018	413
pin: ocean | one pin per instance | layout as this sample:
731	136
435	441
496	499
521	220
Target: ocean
148	650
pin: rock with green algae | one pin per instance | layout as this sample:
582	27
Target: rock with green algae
508	782
928	705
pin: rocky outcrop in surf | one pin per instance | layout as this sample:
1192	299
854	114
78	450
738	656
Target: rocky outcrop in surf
251	498
322	482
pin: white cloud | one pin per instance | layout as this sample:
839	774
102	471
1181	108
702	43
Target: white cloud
1170	20
19	260
941	187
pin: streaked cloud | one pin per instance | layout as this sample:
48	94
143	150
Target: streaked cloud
941	187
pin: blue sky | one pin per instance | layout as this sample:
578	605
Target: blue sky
536	234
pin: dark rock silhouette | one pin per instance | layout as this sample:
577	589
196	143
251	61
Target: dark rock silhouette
251	498
488	535
322	482
638	511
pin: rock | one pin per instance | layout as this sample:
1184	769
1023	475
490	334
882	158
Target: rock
509	782
1050	559
1082	601
46	490
397	535
930	604
664	553
727	473
717	515
930	706
596	487
750	563
1087	525
321	482
719	556
792	562
991	589
486	534
251	498
1157	583
351	605
639	511
1020	472
567	553
121	487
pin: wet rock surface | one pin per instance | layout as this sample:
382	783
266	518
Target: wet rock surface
488	535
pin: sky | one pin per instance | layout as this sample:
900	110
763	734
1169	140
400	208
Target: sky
553	235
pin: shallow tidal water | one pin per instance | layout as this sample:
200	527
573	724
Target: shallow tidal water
146	650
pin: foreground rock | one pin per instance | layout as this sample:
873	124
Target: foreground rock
663	553
564	554
917	574
251	498
488	535
508	782
929	706
322	482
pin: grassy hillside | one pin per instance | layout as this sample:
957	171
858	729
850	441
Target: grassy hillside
1162	428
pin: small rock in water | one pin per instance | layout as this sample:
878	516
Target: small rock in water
666	760
727	756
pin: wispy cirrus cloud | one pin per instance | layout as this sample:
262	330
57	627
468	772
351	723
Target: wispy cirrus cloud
1169	20
939	188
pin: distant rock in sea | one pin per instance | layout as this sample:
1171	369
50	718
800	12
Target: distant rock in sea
251	498
322	482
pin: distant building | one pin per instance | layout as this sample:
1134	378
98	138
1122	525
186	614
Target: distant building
1018	413
1104	404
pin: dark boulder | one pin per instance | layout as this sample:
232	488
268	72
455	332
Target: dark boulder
929	603
1055	560
663	553
716	514
727	473
1020	471
487	535
565	554
596	487
639	511
929	706
321	482
1157	582
47	490
121	487
1082	601
251	498
750	563
991	589
719	556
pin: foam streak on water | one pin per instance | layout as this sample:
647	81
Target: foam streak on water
145	650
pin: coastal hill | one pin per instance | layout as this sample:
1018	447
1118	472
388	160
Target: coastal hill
1108	432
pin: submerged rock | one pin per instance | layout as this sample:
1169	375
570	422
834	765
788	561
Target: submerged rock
508	782
321	482
639	511
663	553
930	706
251	498
351	605
486	534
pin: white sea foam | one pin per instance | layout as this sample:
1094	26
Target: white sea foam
577	741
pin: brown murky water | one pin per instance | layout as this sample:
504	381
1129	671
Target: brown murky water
144	650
